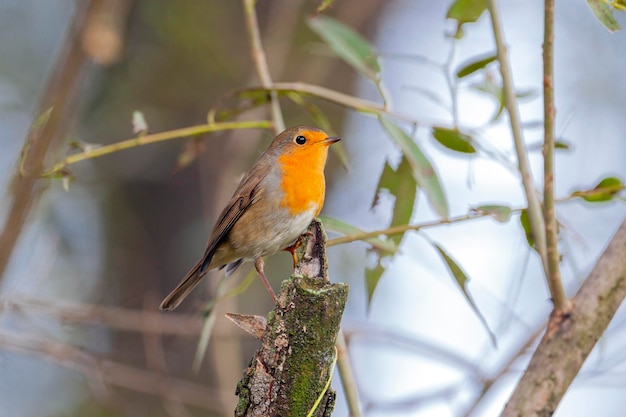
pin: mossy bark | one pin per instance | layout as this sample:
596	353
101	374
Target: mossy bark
291	369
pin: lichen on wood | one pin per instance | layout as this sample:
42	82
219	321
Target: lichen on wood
291	368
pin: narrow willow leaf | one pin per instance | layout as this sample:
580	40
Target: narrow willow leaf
404	189
617	4
563	145
348	229
474	66
604	14
422	169
193	148
324	5
385	181
489	87
41	120
34	129
348	45
454	139
605	190
242	101
461	279
465	11
401	184
372	277
524	219
499	212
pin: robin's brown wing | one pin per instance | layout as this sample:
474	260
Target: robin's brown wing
246	194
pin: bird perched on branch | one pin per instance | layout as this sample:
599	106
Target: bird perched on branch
270	210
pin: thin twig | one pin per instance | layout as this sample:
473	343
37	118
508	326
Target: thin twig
260	63
347	376
117	318
393	230
52	116
111	373
154	138
559	298
355	103
510	101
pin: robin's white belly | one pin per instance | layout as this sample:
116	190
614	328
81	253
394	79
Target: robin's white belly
286	233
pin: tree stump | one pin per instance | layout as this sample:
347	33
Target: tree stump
292	368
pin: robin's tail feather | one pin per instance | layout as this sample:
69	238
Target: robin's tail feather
183	289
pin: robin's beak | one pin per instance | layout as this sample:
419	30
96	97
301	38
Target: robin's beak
331	140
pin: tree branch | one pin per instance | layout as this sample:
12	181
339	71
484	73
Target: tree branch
57	104
510	101
111	373
260	63
115	318
571	339
154	138
559	298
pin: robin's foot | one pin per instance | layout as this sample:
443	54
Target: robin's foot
293	248
258	265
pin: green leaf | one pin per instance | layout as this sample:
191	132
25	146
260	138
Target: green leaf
403	186
242	101
525	222
465	11
489	87
348	45
34	129
461	279
454	139
605	190
617	4
347	229
563	145
474	66
372	277
499	212
421	168
324	5
604	14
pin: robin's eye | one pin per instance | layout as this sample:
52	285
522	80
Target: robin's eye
300	140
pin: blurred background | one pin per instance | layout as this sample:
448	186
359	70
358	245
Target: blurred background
83	274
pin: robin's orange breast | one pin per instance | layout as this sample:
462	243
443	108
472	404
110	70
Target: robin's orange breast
302	180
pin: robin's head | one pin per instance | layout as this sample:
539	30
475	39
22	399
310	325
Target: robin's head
308	145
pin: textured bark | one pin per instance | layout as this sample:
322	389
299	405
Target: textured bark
571	336
291	369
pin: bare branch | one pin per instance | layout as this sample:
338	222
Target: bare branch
117	318
571	337
112	373
260	62
559	298
510	101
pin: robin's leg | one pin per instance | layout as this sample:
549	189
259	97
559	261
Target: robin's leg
258	265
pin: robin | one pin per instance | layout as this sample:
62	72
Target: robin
270	210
